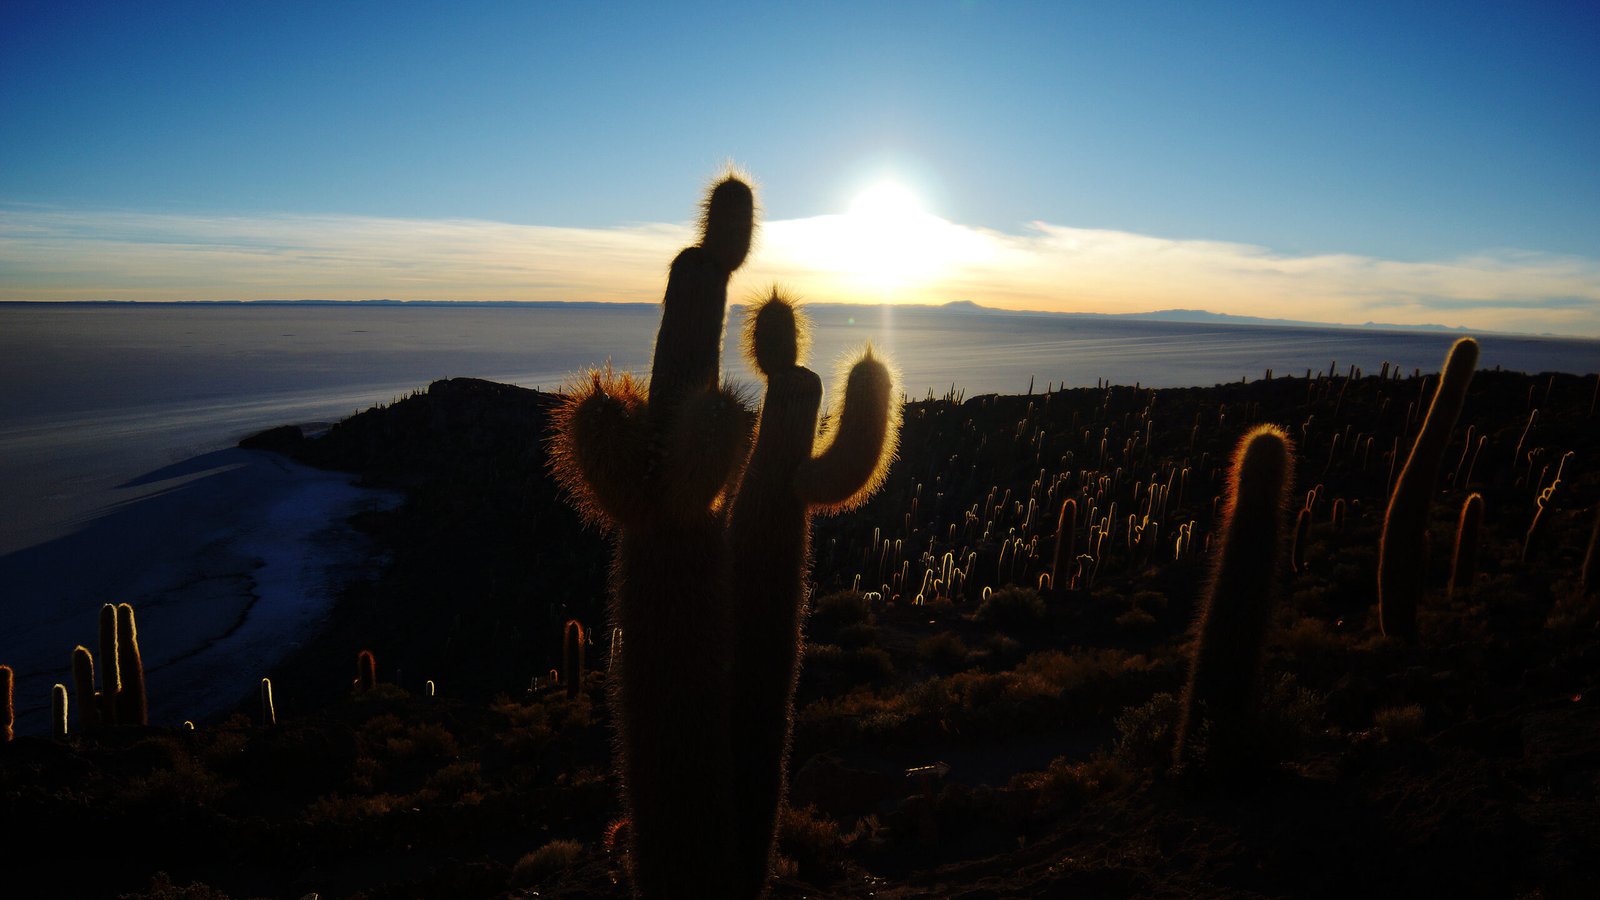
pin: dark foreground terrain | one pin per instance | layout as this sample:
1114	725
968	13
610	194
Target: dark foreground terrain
1466	766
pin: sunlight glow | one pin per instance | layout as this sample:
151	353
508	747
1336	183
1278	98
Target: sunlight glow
885	247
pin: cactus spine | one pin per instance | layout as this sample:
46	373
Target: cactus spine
769	541
1217	730
712	556
1464	562
1403	547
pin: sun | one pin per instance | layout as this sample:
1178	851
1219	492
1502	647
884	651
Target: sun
886	247
882	245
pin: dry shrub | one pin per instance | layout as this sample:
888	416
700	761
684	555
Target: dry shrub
1147	734
1399	723
944	650
1014	609
544	862
1066	784
807	839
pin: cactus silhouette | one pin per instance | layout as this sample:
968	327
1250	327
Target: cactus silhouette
657	466
769	541
83	684
1217	731
58	712
8	715
1302	540
133	705
110	671
572	652
1066	546
366	671
709	567
1464	562
1403	547
269	710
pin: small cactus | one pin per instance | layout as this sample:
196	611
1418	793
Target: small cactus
8	714
1302	540
366	672
1061	561
1217	732
269	710
1464	562
573	639
58	712
1403	547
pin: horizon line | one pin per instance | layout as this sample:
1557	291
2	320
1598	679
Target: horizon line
1171	315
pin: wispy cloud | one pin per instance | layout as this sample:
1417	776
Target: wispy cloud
75	255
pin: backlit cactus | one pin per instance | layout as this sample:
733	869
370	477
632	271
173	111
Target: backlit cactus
133	705
769	539
1464	562
1403	548
708	571
572	653
656	466
58	712
269	710
1218	730
366	672
83	684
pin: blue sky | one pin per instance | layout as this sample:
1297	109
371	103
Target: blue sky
1431	162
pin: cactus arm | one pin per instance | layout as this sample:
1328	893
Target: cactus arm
599	451
863	445
704	451
1403	545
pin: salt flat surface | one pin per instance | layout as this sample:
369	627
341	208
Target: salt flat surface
231	560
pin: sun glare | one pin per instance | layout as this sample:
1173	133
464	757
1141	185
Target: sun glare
882	248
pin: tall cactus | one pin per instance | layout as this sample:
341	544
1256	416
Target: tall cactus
710	560
83	684
1404	544
133	704
1217	730
110	671
657	465
769	541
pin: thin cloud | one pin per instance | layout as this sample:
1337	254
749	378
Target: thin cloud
76	255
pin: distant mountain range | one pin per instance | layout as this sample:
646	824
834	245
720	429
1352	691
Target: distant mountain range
959	307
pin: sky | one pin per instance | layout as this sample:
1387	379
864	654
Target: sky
1347	162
